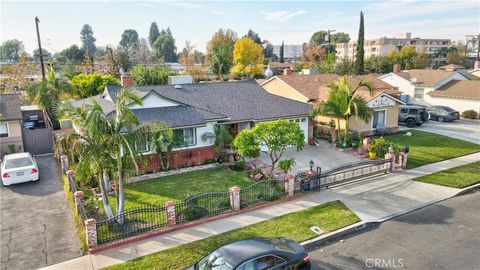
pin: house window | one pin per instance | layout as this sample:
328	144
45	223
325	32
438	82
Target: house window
3	130
419	92
184	137
142	145
303	120
379	119
297	120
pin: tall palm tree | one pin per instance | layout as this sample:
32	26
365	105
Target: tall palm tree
88	144
344	103
122	135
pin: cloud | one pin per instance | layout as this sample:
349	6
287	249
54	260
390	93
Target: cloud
281	16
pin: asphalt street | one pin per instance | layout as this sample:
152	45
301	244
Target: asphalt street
445	235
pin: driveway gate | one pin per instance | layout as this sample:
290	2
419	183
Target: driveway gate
38	141
343	174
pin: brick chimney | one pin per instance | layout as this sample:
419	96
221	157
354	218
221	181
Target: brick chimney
476	65
287	72
126	80
397	68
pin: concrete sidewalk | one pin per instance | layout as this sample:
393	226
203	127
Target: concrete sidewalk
372	200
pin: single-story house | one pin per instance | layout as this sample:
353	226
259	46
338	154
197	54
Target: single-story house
313	89
10	124
194	109
456	89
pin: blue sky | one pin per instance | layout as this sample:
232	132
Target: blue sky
196	21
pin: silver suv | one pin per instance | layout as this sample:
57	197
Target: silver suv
412	115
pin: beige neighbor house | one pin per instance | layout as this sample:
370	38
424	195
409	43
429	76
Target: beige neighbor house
456	89
10	124
313	89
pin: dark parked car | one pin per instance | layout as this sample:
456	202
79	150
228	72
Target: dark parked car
256	254
412	115
442	113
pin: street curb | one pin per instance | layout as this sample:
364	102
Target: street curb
314	243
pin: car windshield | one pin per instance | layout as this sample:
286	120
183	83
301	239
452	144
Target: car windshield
215	261
18	162
447	109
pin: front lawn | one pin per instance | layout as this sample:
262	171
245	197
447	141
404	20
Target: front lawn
328	217
458	177
426	147
156	192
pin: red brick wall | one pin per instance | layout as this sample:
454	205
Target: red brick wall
178	159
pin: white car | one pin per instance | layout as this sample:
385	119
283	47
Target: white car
19	168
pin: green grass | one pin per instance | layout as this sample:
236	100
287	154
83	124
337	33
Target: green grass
426	148
458	177
156	192
328	217
79	225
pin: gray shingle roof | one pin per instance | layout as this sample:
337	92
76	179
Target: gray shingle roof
107	106
239	101
174	116
10	107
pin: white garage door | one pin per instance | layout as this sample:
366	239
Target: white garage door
303	122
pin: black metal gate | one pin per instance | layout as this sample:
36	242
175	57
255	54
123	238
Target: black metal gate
38	141
311	180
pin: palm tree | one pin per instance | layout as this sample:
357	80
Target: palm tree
343	103
88	144
48	93
122	135
162	139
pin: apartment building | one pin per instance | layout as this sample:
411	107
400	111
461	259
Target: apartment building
383	46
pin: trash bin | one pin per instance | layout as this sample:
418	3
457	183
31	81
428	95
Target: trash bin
305	185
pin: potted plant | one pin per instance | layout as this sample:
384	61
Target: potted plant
286	165
372	151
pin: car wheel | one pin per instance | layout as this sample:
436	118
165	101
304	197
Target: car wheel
441	119
410	123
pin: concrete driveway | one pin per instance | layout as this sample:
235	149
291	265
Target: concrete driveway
467	130
36	226
441	236
324	156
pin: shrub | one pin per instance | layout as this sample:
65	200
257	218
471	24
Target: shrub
286	165
239	166
470	114
373	148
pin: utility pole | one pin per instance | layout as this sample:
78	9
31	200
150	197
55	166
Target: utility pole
42	66
328	34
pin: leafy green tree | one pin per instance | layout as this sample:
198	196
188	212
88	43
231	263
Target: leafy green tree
12	49
129	40
222	59
343	103
268	50
318	38
454	57
155	75
360	54
72	54
378	64
36	54
344	67
276	136
88	85
164	47
254	36
327	65
88	40
153	34
340	37
161	136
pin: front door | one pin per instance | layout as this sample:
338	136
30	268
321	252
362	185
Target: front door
233	128
379	119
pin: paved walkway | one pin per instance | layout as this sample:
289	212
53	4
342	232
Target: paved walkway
371	200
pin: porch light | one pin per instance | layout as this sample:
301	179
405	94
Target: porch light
311	164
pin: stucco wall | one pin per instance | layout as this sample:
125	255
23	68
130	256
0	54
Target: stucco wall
457	104
279	88
153	100
15	138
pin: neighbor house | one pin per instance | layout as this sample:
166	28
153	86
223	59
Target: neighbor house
456	89
194	110
313	89
10	124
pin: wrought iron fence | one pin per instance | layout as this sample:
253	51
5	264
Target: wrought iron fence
266	190
203	205
342	174
130	223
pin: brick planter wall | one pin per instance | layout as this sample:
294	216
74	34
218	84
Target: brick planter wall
178	159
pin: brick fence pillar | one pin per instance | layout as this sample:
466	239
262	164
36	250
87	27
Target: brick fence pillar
90	226
290	185
403	160
235	198
391	157
79	197
170	212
